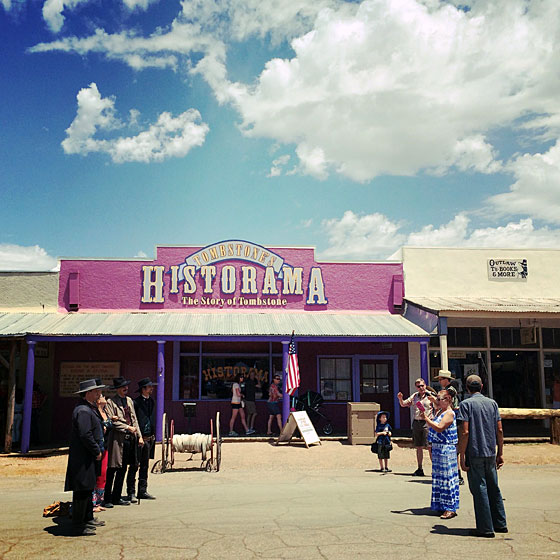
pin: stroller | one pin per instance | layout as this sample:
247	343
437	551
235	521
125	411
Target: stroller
311	403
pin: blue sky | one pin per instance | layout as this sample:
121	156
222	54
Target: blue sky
354	127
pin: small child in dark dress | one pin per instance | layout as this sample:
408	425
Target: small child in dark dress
383	440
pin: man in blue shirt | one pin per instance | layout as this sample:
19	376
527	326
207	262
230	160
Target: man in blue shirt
480	434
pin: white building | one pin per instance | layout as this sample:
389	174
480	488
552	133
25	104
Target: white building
498	315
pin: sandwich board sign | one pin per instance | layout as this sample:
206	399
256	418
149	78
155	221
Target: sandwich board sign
299	420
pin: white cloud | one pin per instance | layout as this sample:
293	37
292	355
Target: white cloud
241	19
94	113
377	87
25	258
137	52
6	4
141	255
399	86
277	165
356	237
312	161
138	4
522	234
536	190
376	236
451	234
52	12
471	154
168	137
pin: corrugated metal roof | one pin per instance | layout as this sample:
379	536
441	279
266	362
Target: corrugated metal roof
503	305
208	324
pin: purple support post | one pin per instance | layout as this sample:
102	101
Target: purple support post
286	397
160	388
424	362
28	398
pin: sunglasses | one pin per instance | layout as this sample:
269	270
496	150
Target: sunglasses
442	398
420	386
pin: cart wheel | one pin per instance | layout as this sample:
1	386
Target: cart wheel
328	429
171	434
156	467
218	443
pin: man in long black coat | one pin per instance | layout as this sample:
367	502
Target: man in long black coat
145	408
84	459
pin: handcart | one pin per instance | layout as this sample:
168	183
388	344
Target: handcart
210	445
311	402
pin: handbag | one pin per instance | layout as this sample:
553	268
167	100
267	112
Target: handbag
374	447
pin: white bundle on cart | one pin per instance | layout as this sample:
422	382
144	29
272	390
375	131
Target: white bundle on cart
192	443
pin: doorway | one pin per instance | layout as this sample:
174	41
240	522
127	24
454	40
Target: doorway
376	382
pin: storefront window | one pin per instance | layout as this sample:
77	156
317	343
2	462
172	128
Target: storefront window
374	378
188	377
211	375
515	378
552	379
551	338
336	378
513	337
219	373
435	366
461	365
466	337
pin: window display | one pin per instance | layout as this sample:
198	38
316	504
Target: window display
336	378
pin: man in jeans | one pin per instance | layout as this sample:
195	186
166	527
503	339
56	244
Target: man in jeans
480	432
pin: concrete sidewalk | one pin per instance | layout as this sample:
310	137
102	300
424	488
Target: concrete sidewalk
350	513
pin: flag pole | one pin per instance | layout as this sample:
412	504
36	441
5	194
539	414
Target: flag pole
286	397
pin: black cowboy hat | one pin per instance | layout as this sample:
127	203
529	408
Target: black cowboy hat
119	382
89	385
146	382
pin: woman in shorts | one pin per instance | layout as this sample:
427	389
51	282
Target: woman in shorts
273	404
236	406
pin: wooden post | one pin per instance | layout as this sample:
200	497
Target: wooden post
555	430
11	399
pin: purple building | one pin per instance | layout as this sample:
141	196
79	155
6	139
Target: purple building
194	317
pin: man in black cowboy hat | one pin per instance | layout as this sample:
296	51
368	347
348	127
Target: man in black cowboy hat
145	408
122	442
84	459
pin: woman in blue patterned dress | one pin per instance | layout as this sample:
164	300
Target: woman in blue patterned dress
443	437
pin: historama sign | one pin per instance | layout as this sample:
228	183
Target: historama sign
228	276
219	284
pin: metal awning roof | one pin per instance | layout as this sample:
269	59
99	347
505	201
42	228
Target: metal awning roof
500	305
313	325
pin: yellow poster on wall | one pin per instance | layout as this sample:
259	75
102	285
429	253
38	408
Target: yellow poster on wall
71	373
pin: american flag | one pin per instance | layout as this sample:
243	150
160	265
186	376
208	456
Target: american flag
293	368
